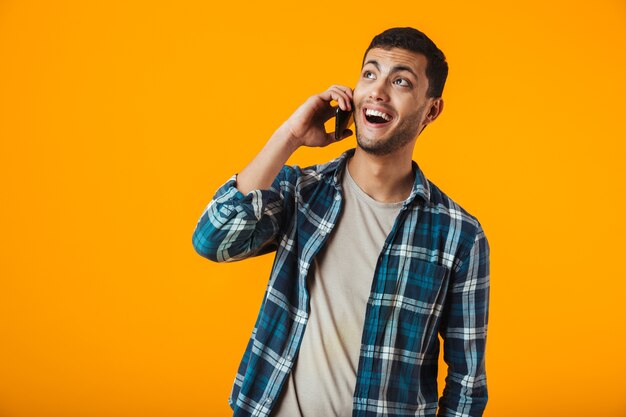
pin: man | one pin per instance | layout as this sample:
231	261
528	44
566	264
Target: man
373	260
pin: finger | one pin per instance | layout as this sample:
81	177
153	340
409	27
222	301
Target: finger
339	96
345	102
346	90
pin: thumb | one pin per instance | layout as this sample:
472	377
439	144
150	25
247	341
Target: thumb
331	136
346	134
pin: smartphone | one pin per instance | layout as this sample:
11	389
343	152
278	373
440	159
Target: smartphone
343	119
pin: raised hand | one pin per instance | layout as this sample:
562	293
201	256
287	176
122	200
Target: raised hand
306	125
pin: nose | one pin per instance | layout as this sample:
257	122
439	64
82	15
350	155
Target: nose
379	92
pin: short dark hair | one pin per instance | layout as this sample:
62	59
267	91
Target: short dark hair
413	40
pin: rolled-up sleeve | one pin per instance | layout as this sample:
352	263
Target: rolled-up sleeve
464	334
235	226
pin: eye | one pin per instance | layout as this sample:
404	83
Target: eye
368	74
402	82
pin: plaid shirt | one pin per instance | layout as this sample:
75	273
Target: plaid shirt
432	276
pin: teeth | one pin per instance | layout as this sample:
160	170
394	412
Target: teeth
370	112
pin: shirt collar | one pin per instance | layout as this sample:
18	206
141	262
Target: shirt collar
335	168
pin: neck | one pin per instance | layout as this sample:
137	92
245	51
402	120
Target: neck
387	179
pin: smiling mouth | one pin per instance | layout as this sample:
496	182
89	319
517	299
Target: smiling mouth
376	117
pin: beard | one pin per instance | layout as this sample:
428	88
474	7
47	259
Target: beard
403	134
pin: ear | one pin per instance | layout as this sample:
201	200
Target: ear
435	110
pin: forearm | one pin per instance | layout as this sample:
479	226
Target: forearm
263	169
235	226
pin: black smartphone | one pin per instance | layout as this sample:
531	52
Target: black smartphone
343	119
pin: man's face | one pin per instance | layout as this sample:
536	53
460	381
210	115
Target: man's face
390	100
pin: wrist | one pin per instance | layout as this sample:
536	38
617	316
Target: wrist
286	137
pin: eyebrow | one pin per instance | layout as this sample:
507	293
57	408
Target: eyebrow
393	69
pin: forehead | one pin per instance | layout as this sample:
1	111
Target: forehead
389	58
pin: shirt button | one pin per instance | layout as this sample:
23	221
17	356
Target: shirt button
289	357
269	400
323	233
337	197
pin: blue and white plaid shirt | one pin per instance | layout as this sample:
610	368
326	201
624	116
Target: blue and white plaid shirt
432	276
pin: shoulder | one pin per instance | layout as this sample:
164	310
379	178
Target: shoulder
461	225
447	206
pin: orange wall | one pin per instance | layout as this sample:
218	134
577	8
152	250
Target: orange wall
119	120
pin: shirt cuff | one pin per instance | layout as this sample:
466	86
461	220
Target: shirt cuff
253	203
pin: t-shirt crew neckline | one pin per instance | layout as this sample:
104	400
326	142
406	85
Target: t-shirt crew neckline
365	197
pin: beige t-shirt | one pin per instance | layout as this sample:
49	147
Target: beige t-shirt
323	379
